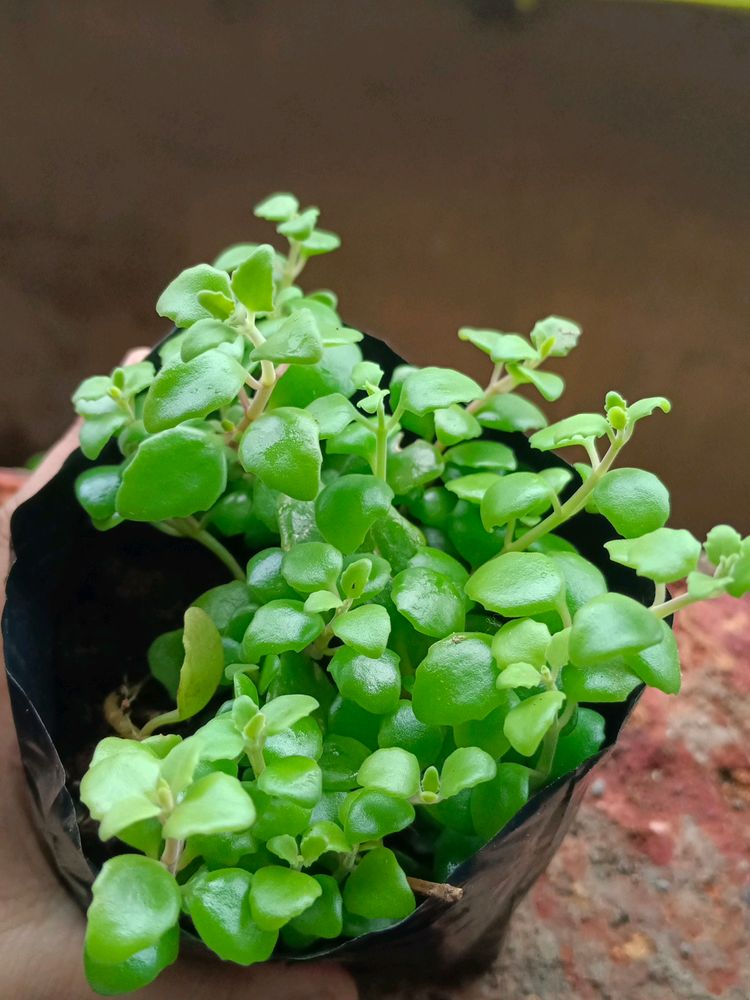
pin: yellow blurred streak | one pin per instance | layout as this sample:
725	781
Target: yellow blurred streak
726	4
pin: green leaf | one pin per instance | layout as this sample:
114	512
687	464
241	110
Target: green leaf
456	681
324	919
129	774
203	667
703	586
454	424
217	304
295	778
403	729
555	336
277	207
281	713
311	566
373	683
635	502
322	837
429	389
465	768
123	922
427	557
322	600
377	888
547	384
740	571
179	300
526	724
320	241
431	602
645	407
364	629
609	626
483	455
518	584
233	256
509	412
332	413
297	342
355	439
722	542
193	389
375	581
219	905
472	487
278	895
393	770
252	281
97	430
165	656
340	762
659	664
496	802
413	466
664	555
521	494
301	226
279	626
371	814
397	538
521	641
215	804
570	431
135	972
348	507
303	738
487	733
303	383
96	491
584	740
175	473
609	682
583	582
264	579
518	675
283	450
223	604
500	347
206	335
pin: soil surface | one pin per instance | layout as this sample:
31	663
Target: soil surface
649	897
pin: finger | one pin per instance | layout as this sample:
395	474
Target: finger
193	979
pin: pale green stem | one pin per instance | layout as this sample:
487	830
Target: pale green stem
381	437
255	755
574	504
669	607
165	719
660	595
293	266
189	527
317	649
510	530
549	745
172	853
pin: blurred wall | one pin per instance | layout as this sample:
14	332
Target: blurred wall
591	160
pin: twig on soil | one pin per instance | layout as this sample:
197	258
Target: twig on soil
437	890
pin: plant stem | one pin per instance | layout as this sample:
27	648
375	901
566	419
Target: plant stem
293	266
660	595
549	745
381	437
165	719
574	504
172	853
255	756
675	604
437	890
317	649
210	542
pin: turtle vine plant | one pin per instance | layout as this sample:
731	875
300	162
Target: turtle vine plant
406	649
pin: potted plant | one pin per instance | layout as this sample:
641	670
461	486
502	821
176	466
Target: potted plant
367	735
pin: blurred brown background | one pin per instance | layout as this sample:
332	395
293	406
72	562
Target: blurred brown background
590	159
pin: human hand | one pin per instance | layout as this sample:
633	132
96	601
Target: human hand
41	927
